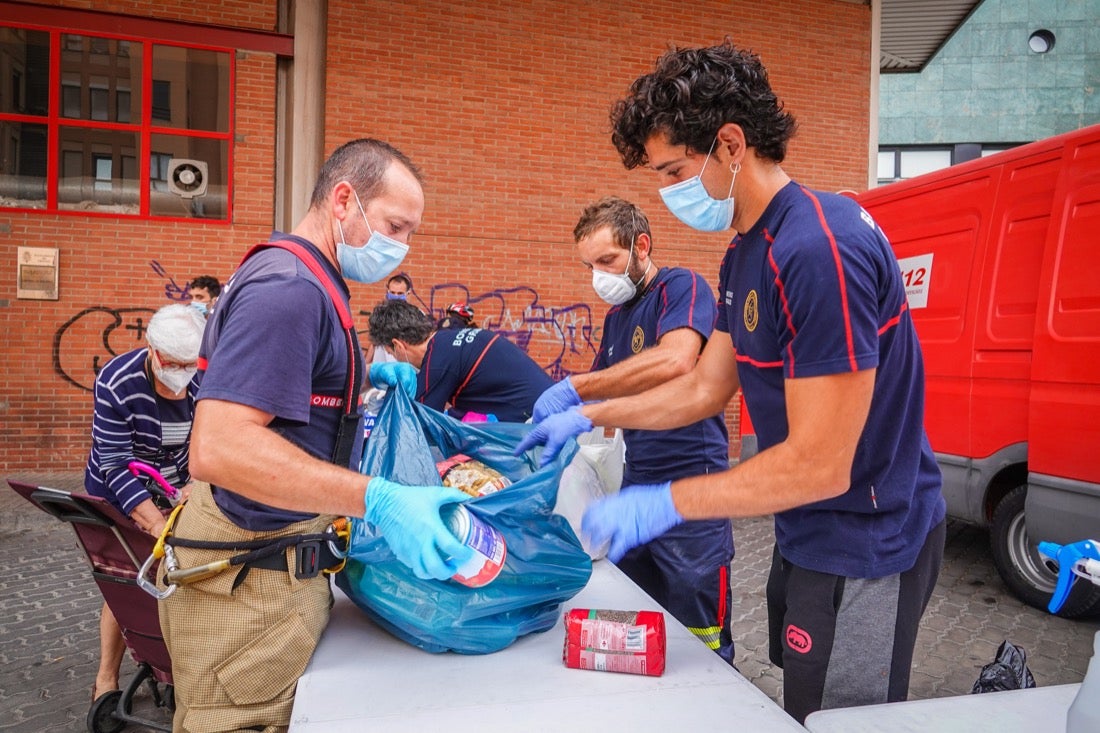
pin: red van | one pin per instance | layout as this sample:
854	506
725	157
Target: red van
1001	260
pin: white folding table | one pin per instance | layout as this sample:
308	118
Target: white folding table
1034	710
363	679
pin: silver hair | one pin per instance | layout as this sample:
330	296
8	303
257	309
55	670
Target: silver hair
176	331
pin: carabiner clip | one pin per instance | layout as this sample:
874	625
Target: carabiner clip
341	527
151	588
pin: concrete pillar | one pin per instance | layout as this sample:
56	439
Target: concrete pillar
300	135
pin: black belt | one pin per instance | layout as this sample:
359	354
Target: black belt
311	557
313	553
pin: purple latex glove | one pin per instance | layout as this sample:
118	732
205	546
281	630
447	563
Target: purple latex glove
556	398
630	518
553	432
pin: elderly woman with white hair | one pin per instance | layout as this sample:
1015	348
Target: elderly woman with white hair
144	405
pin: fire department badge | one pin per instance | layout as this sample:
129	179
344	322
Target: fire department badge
752	312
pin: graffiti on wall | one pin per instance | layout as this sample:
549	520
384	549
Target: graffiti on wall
562	339
113	331
172	290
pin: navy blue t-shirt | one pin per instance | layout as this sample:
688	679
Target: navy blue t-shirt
275	343
814	289
675	298
499	377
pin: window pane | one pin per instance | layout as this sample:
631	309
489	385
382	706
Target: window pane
162	100
22	165
198	81
195	174
25	59
70	100
918	162
886	165
102	172
93	72
98	94
122	104
103	183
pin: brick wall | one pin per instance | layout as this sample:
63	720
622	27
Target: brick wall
504	106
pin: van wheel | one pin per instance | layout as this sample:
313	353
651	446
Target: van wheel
1024	570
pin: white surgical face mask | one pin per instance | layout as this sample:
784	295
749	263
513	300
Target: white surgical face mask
617	289
174	378
691	203
374	260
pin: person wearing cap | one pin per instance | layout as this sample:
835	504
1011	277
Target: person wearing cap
275	450
473	371
814	329
142	411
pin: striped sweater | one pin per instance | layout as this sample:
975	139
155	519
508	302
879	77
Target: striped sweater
126	426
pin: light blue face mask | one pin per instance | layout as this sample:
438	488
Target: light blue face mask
691	203
374	260
200	307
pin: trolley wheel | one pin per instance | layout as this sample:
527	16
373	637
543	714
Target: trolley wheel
101	718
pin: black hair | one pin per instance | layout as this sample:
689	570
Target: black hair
398	319
694	91
209	283
401	279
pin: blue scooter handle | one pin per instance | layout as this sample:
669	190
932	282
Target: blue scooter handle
1067	557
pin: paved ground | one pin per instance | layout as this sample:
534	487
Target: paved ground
49	620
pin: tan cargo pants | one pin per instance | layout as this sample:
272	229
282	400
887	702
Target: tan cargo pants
237	654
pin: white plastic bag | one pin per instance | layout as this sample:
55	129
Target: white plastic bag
596	471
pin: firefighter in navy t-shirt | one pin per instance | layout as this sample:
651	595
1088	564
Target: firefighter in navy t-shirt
659	320
822	344
473	371
276	436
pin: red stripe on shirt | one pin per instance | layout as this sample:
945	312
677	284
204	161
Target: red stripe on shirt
786	309
840	277
894	321
758	364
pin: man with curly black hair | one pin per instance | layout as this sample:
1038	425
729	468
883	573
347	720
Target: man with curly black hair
821	342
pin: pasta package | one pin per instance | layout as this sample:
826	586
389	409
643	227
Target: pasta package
471	476
615	641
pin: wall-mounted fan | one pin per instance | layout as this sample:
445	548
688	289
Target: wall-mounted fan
187	178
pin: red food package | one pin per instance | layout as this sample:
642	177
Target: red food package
615	641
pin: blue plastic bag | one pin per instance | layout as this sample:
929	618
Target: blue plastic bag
545	563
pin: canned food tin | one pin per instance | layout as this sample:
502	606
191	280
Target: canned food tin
486	542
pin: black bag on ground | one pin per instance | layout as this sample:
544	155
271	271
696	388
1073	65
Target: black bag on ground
1007	672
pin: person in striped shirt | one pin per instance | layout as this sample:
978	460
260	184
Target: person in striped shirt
144	401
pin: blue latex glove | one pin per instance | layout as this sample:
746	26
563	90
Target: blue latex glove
630	518
558	397
394	374
408	518
553	432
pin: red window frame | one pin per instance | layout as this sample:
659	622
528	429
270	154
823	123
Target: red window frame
145	129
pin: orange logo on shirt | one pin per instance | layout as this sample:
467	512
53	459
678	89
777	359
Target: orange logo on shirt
637	341
752	312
